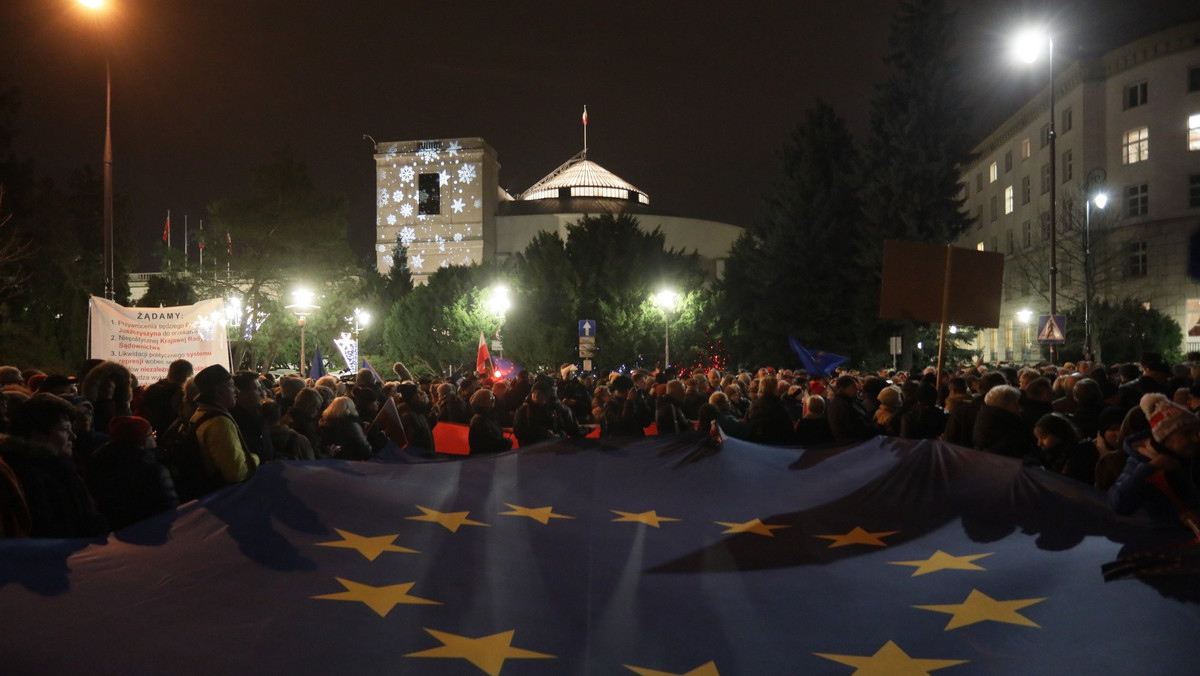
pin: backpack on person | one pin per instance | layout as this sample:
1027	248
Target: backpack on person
184	459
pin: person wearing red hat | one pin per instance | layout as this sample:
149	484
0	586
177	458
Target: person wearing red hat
125	477
1159	473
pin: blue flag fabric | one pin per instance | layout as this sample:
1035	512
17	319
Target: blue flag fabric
317	368
656	556
367	365
819	363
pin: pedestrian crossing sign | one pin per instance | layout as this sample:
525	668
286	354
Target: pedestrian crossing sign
1052	329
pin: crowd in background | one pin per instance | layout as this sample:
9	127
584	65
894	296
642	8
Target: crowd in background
84	454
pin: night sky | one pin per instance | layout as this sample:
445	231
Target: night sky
691	102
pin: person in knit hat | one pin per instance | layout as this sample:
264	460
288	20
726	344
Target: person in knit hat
1159	473
125	477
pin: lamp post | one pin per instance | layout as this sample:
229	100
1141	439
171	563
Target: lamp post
109	271
498	303
303	307
1029	46
1025	316
667	300
361	319
1100	199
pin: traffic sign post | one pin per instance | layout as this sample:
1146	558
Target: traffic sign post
587	339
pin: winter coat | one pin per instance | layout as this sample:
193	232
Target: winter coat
129	484
59	503
485	436
769	421
343	438
1003	432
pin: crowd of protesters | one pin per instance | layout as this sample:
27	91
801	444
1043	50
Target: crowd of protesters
85	454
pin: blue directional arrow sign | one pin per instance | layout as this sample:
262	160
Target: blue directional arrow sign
587	328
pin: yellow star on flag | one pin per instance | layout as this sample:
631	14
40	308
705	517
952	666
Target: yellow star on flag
890	660
980	607
379	599
486	652
858	536
367	546
451	520
650	518
541	514
709	669
751	526
943	561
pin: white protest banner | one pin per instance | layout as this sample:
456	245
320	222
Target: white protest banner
147	340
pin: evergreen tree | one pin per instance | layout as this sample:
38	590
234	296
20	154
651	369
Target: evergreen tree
802	272
608	269
919	139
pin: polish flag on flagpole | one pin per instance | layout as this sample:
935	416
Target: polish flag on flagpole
585	116
167	229
482	360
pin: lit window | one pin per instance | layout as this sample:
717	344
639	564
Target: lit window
1025	149
1008	200
979	246
1137	200
993	173
1136	95
1194	132
1135	146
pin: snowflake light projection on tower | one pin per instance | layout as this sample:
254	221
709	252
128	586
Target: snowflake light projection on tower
437	199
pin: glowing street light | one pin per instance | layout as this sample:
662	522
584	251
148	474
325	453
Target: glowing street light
667	300
1100	199
361	319
302	307
1025	316
498	302
109	272
1028	47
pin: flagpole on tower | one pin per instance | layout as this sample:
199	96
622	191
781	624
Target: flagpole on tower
585	132
185	241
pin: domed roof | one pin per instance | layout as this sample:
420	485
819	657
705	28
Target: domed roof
580	177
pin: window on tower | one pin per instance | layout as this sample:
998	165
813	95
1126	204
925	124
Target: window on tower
429	197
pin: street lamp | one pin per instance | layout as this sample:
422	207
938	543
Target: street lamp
109	272
303	307
1029	47
498	303
667	300
361	319
1100	200
1025	316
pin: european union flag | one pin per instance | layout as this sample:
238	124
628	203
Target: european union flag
317	368
655	556
819	363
